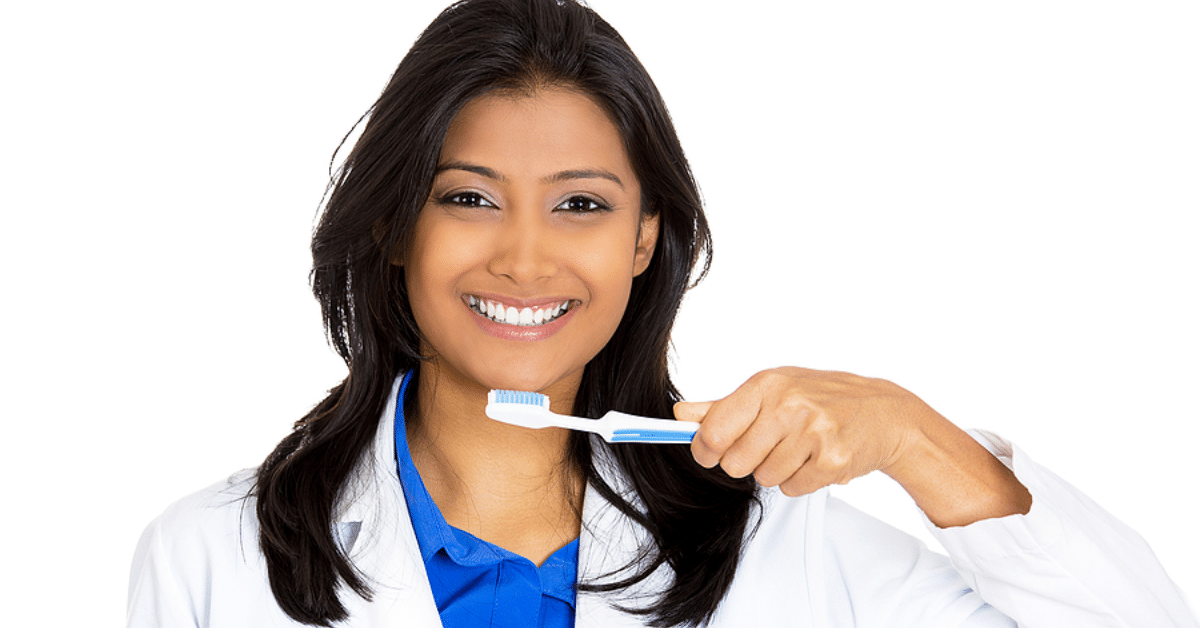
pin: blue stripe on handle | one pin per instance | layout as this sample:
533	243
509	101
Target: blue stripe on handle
652	436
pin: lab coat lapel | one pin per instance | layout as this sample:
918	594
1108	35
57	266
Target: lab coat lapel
608	542
374	525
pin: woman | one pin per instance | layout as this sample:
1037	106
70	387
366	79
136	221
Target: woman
520	160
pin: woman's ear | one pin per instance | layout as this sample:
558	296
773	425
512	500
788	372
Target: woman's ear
647	240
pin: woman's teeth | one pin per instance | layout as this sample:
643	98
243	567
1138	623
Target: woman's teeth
509	315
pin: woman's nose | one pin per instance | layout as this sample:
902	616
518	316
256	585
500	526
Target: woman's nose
525	246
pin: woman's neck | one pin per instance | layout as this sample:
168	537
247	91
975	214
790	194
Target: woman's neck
508	485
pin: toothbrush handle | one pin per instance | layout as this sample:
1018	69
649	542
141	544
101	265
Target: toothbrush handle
628	428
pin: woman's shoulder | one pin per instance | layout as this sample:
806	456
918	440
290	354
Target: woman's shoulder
202	549
215	524
230	499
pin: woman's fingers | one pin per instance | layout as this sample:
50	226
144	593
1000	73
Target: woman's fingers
692	411
800	429
770	431
784	461
723	423
805	481
740	431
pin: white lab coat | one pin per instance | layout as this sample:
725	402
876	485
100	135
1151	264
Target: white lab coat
814	562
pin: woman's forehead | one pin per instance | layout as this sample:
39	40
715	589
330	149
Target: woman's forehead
536	134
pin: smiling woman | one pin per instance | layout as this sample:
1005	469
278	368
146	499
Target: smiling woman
518	273
505	162
518	214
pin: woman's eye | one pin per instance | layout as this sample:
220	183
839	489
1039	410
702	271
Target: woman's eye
582	205
467	199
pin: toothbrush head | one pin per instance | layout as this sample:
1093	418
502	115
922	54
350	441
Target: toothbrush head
518	407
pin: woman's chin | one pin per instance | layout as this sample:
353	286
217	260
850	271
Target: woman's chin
531	377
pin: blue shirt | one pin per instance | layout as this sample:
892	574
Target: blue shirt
476	583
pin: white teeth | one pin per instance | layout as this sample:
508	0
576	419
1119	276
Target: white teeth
512	316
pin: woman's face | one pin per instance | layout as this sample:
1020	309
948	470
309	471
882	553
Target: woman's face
524	254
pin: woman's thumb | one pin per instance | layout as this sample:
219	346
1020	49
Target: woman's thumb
693	411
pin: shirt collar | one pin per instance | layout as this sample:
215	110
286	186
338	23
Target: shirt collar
433	533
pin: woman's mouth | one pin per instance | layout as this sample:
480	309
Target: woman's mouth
524	317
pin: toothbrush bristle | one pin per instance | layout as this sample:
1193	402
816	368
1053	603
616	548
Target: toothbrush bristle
521	397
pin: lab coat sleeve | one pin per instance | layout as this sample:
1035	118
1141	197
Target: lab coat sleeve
879	577
162	590
1065	563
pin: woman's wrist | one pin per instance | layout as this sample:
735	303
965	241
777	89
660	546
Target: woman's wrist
954	479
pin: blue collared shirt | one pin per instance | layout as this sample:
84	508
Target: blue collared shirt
476	583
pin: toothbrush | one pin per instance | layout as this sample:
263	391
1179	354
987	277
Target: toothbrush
532	410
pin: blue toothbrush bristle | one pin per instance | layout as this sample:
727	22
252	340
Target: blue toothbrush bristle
521	396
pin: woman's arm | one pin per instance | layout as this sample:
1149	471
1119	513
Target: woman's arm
1030	544
953	479
801	430
1066	562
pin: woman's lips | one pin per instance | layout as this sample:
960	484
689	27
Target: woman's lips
523	313
521	333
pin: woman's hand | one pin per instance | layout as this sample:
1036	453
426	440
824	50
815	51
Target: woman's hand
801	430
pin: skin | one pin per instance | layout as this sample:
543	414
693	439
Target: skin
536	201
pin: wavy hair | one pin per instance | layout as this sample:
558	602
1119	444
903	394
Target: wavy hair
697	519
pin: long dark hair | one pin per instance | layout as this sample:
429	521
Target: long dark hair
697	519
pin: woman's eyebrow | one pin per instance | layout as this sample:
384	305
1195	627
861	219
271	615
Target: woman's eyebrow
482	171
558	177
567	175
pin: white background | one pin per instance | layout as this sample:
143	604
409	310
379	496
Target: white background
994	206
